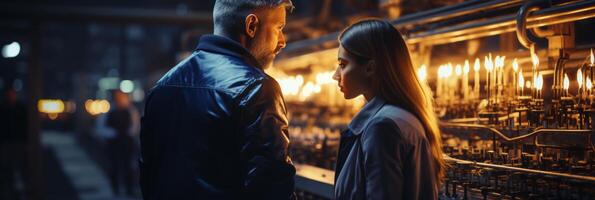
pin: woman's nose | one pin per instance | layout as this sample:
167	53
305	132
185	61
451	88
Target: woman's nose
337	75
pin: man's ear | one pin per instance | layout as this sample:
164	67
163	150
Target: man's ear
370	68
251	25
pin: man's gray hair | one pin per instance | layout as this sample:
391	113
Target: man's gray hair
229	15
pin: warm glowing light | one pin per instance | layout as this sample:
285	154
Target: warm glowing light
96	107
588	83
294	85
592	58
579	78
535	60
528	84
497	62
458	70
104	106
466	67
88	104
325	78
309	89
291	85
477	64
515	65
488	64
566	82
539	82
422	73
442	71
502	61
449	70
50	106
521	79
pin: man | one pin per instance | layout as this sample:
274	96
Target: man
120	147
215	125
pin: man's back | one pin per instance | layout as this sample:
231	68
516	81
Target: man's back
215	127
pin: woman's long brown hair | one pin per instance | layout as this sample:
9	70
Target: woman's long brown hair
395	79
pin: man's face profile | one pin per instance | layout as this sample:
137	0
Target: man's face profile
267	40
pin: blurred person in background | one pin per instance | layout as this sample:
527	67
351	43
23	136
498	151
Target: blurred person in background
215	126
124	120
13	140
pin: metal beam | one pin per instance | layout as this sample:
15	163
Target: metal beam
44	13
449	12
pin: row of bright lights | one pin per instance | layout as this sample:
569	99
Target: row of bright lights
294	85
96	107
53	107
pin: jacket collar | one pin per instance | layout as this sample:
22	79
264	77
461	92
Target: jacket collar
364	116
226	46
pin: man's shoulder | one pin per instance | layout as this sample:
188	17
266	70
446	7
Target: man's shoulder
204	69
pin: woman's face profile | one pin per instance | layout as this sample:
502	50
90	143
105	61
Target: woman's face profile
350	75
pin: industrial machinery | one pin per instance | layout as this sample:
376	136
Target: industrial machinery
517	121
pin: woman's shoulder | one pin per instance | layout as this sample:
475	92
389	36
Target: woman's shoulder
401	117
391	118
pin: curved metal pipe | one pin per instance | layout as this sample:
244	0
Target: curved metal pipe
528	39
542	32
521	24
481	164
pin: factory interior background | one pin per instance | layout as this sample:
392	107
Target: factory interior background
511	79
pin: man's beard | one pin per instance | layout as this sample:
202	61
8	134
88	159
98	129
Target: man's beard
262	55
264	58
267	61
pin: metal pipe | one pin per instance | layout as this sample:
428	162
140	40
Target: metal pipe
539	32
559	74
449	12
503	24
521	23
573	11
534	171
438	14
508	139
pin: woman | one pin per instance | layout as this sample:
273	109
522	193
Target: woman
392	147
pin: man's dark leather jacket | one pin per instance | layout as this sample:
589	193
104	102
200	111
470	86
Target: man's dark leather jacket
215	127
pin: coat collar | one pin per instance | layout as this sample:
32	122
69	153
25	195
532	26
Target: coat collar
363	117
226	46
